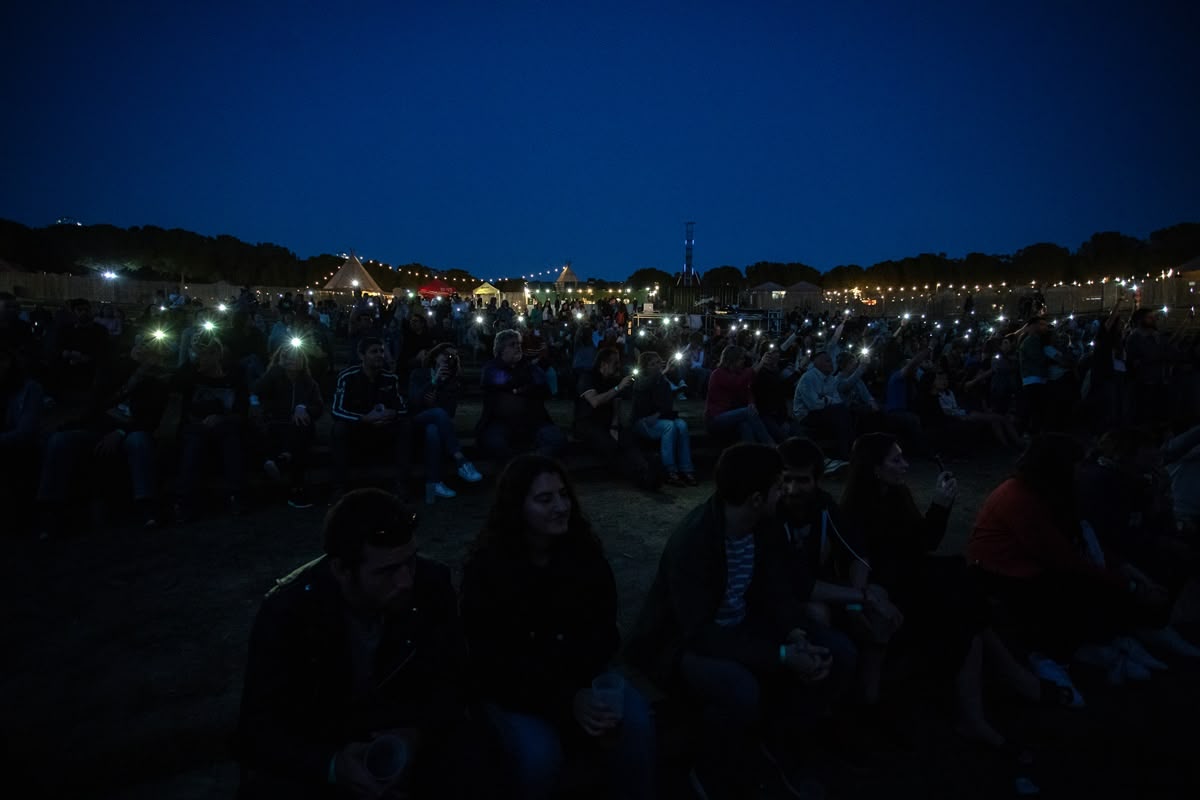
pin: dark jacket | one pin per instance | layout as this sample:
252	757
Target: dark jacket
680	610
279	396
299	707
823	528
897	535
355	394
652	395
513	395
204	395
539	634
445	394
134	399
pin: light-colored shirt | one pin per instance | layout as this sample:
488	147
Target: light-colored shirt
739	570
814	391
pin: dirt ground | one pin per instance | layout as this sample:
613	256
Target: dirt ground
125	650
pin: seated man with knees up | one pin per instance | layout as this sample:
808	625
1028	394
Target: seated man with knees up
433	392
724	622
361	647
369	413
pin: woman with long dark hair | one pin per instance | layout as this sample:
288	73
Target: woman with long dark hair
945	617
539	605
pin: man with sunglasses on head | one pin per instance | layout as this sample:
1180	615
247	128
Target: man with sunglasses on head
353	685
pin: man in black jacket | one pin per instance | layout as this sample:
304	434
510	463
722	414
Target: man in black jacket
724	620
360	644
369	413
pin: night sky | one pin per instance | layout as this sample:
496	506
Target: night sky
505	138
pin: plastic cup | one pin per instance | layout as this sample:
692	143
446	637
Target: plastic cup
608	689
386	757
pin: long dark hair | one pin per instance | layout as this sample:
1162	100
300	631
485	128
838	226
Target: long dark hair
863	487
504	529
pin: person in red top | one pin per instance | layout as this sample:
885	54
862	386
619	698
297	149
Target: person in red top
1047	572
729	408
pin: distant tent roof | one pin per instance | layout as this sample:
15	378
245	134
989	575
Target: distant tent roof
769	286
804	286
567	276
1189	266
436	288
486	288
352	275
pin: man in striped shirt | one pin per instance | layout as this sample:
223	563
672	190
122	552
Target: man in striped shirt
723	621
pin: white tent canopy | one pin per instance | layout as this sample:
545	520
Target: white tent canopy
486	289
352	275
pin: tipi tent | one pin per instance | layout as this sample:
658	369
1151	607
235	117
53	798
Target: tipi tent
566	278
352	275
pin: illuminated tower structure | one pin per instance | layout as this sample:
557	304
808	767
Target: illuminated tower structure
688	277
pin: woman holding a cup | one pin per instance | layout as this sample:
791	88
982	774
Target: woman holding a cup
539	605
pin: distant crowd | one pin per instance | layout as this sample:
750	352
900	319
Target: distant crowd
777	610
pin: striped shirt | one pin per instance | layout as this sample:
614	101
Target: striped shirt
739	566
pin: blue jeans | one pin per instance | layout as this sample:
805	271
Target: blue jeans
746	426
675	443
438	429
535	748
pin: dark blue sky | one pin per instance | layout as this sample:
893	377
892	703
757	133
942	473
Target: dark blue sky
506	137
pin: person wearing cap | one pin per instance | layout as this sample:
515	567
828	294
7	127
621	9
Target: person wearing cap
364	641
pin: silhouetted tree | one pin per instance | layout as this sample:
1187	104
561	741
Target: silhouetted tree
649	276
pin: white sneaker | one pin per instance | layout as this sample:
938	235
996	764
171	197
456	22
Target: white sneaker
468	473
834	464
1133	649
1056	673
442	490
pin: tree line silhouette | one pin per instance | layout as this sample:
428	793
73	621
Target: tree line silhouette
154	253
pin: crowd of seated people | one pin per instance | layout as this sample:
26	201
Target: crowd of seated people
233	407
927	383
786	620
